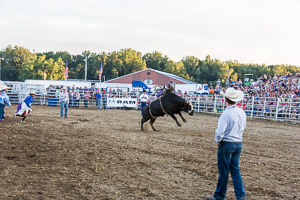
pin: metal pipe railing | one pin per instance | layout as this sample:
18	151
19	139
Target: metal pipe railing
255	107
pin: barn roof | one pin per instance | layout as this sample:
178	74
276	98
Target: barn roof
157	71
174	76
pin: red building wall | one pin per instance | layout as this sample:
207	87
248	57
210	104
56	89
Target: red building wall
157	78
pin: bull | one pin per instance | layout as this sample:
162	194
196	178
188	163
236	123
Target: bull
168	104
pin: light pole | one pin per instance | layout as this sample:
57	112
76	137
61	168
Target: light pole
0	66
86	54
85	75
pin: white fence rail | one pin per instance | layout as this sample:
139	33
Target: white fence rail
255	107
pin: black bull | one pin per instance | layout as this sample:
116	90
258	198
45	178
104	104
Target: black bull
169	104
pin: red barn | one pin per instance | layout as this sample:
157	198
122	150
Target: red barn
150	77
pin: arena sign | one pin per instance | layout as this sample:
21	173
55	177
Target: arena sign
122	102
148	81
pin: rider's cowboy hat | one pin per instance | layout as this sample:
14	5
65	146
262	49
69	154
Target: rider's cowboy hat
32	93
233	94
3	87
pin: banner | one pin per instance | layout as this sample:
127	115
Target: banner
122	103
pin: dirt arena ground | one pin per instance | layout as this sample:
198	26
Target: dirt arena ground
104	155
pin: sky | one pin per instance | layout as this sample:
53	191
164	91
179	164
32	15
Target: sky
249	31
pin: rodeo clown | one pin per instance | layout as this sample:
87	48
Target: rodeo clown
4	100
25	108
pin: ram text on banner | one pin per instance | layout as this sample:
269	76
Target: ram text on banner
122	103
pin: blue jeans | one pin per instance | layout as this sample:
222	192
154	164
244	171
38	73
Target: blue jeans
143	104
98	102
1	110
64	105
86	103
228	161
71	103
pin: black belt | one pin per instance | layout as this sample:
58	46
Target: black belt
229	142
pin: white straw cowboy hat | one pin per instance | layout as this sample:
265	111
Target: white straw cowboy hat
32	92
3	87
233	94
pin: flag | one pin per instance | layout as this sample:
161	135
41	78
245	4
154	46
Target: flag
66	71
100	71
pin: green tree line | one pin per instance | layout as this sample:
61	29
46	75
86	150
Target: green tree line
19	64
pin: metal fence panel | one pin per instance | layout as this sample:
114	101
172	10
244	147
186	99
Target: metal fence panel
255	107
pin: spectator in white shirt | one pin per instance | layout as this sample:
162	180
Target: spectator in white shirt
143	99
64	102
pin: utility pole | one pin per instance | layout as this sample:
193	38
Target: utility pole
86	54
85	76
0	66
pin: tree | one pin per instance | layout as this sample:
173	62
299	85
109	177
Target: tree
19	64
156	61
55	69
65	56
283	69
209	69
43	68
225	72
124	62
77	67
15	58
234	77
33	69
192	67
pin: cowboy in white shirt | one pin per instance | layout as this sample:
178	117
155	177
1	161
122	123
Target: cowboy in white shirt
228	137
64	102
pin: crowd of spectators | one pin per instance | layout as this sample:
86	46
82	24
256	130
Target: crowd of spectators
265	94
279	86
